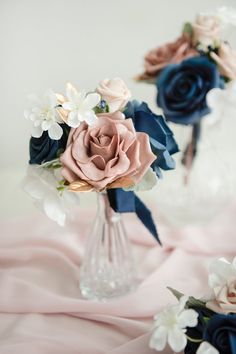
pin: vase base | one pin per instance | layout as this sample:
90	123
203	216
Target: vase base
106	291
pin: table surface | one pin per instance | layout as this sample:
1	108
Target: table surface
42	311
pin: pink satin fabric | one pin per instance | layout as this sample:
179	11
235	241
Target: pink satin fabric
42	312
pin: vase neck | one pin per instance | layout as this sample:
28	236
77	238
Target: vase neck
104	208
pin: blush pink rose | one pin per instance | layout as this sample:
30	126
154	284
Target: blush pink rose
226	61
224	298
169	53
115	93
108	150
206	30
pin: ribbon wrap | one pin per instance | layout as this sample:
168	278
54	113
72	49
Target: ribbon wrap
127	202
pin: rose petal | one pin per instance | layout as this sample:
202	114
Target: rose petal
146	156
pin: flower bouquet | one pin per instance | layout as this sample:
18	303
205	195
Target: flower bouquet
195	80
98	141
201	326
186	70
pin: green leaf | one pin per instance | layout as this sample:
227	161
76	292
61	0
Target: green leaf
206	319
195	302
192	302
98	110
188	28
176	293
59	152
54	164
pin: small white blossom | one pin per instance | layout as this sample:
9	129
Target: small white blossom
207	348
44	115
148	181
41	184
222	102
170	326
80	106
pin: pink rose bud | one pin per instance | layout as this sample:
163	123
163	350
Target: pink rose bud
206	30
115	93
170	53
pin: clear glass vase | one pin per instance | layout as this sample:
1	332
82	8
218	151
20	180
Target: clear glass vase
108	269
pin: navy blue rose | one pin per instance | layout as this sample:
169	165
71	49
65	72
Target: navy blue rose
161	137
220	331
182	89
45	149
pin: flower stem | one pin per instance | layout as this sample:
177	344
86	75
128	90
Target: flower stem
193	339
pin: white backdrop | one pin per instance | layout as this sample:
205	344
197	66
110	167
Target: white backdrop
46	43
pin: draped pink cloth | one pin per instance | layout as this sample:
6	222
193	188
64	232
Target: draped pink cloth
41	309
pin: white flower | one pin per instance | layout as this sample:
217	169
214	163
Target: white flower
170	326
148	181
222	102
80	106
220	272
44	116
207	348
41	184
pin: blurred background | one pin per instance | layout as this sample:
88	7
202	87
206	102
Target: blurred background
46	43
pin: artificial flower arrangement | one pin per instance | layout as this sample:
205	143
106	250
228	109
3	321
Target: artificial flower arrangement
187	70
202	326
96	141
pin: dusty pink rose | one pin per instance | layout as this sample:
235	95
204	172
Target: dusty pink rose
206	30
226	61
115	93
224	298
169	53
106	151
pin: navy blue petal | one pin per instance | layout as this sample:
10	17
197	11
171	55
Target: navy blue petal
182	89
44	149
161	137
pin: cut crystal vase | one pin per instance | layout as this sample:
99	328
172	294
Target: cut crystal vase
108	269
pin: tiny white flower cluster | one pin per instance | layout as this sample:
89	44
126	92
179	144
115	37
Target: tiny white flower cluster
170	326
45	116
42	186
80	106
48	114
